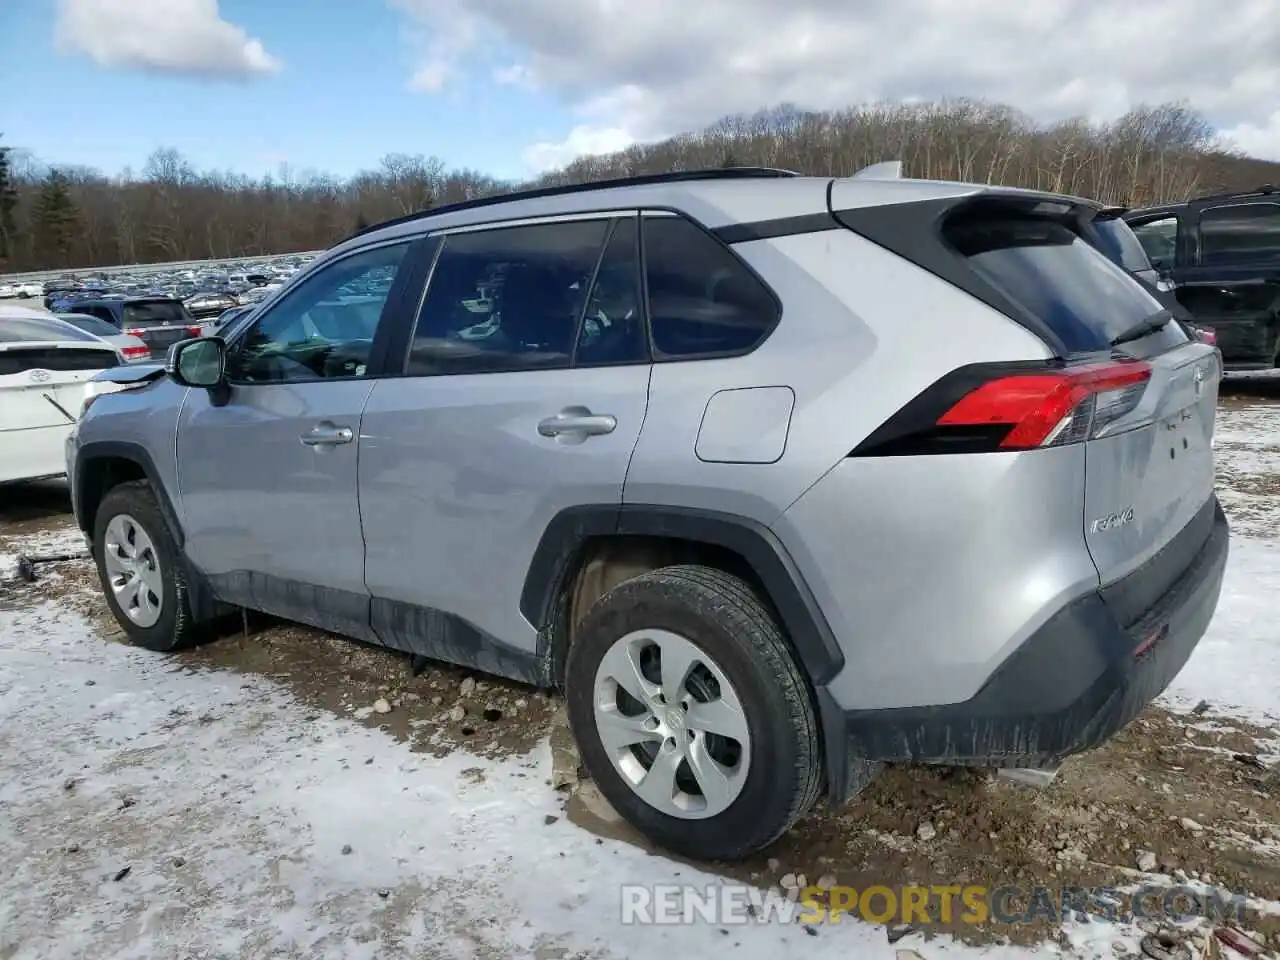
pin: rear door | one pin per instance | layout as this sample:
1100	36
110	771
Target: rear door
1233	280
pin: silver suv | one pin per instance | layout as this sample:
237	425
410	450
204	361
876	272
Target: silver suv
778	477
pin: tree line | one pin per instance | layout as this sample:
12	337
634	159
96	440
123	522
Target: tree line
79	217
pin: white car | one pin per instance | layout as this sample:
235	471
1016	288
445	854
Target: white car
44	364
22	290
132	348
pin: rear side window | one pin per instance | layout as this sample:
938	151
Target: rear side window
28	330
1046	268
155	313
703	301
1246	233
1121	244
89	324
507	299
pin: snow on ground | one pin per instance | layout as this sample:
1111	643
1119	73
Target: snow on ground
233	828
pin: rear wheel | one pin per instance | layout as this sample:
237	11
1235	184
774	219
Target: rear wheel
691	713
141	571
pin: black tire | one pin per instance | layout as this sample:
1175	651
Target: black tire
722	615
177	627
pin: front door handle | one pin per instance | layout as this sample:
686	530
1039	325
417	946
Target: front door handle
327	434
577	422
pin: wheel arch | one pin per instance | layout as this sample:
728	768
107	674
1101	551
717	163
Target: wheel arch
567	542
104	464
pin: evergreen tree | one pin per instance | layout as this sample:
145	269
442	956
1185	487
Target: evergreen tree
8	200
56	218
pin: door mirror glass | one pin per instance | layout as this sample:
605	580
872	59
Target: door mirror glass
197	363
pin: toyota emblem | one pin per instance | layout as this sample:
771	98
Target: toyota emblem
40	376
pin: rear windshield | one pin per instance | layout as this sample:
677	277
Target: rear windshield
1121	244
155	313
31	329
1047	269
93	325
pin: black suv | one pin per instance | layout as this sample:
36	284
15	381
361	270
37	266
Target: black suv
1223	255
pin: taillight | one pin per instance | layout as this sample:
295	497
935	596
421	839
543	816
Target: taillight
136	353
998	407
193	331
133	332
1207	335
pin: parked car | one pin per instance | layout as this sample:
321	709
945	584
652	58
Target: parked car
778	477
44	364
20	291
207	305
1222	254
1108	231
132	348
159	322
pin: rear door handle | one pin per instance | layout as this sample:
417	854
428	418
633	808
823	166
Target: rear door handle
327	435
579	422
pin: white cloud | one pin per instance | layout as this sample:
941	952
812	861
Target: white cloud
1259	139
167	36
582	141
664	66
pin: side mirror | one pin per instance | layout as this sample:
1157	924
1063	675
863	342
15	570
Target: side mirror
198	363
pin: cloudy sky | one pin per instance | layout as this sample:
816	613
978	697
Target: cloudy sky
511	87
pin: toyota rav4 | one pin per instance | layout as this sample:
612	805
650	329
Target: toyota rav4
779	478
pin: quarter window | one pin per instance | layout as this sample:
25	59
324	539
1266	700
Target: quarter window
324	328
1246	233
703	301
511	298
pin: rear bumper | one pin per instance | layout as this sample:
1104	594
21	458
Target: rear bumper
1078	680
33	454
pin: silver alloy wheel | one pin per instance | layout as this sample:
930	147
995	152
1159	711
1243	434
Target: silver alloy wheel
133	570
672	724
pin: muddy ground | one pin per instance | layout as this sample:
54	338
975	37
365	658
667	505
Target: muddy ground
1196	791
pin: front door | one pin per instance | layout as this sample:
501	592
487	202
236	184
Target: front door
525	390
267	479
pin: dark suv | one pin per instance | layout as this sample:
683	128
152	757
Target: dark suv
158	321
1223	255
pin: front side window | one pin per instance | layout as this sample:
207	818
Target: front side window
703	301
1159	238
1241	233
324	328
507	299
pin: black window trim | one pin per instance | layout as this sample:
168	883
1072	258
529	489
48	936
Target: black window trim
378	367
712	235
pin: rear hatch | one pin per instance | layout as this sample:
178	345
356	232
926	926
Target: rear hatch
42	385
159	323
1126	381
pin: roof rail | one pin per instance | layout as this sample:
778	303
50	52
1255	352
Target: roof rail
674	176
888	170
1265	190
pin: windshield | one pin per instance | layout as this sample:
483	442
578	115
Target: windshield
155	313
32	329
93	325
1121	244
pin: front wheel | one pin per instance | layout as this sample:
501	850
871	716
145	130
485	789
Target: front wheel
140	570
691	713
